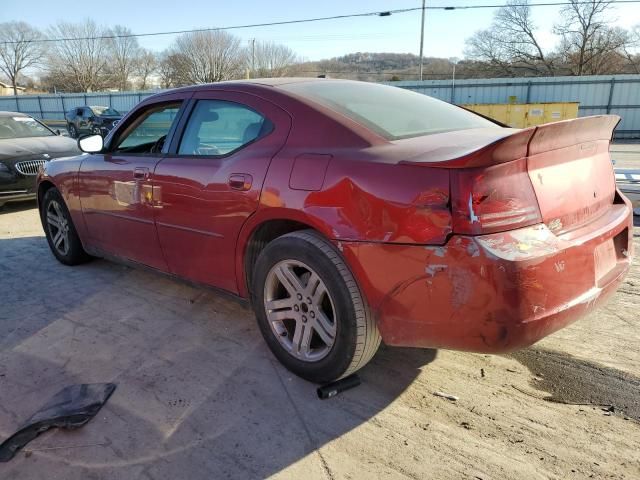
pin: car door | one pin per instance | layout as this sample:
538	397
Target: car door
77	118
84	125
116	185
211	181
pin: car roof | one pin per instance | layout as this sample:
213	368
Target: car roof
254	82
12	114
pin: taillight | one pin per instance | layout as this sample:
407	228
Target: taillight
493	199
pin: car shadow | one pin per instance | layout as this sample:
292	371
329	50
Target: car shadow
198	390
21	206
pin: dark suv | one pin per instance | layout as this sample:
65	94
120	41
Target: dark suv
90	120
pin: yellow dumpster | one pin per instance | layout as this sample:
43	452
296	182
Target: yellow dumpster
526	115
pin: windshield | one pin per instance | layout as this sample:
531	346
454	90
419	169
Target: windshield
22	127
391	112
104	111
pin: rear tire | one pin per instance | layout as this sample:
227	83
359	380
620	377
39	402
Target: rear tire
310	309
59	229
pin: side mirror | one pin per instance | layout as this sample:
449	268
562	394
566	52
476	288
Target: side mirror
91	144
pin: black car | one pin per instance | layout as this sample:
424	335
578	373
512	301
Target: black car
91	120
25	145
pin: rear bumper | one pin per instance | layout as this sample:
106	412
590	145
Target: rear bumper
493	293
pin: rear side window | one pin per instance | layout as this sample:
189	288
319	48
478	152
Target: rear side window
217	127
394	113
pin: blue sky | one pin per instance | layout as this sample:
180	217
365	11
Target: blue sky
445	31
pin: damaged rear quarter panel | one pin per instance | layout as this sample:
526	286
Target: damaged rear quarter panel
382	202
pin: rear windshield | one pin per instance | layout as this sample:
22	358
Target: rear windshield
391	112
105	111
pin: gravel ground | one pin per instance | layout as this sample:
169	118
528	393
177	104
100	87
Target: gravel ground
199	395
626	155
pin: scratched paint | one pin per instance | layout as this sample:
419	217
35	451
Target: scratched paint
472	216
472	249
461	286
431	270
437	251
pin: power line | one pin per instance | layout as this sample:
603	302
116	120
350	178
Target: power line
384	13
361	72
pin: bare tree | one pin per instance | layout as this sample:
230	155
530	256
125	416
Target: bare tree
124	52
171	69
588	43
18	51
519	32
631	49
486	48
511	43
146	65
269	59
79	62
210	56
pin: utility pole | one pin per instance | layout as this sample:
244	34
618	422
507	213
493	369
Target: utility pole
455	61
253	56
422	41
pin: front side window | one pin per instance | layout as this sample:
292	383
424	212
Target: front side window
217	128
21	126
149	130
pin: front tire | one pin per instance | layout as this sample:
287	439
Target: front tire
59	229
310	309
73	133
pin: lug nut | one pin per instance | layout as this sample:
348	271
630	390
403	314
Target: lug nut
296	308
299	297
309	300
304	319
312	314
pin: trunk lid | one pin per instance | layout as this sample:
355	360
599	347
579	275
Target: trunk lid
571	170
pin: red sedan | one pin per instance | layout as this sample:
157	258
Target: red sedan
348	213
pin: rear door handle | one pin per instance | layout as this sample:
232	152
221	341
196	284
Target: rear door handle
240	181
141	173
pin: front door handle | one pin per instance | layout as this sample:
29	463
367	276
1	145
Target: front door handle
141	173
240	181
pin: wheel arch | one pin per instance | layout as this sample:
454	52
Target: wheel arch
263	228
43	187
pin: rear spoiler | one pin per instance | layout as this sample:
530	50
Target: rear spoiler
532	141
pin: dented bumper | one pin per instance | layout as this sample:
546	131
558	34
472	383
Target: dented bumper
493	293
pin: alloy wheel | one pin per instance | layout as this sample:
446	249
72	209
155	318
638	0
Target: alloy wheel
58	227
300	310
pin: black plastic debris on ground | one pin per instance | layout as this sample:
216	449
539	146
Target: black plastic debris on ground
70	408
332	389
